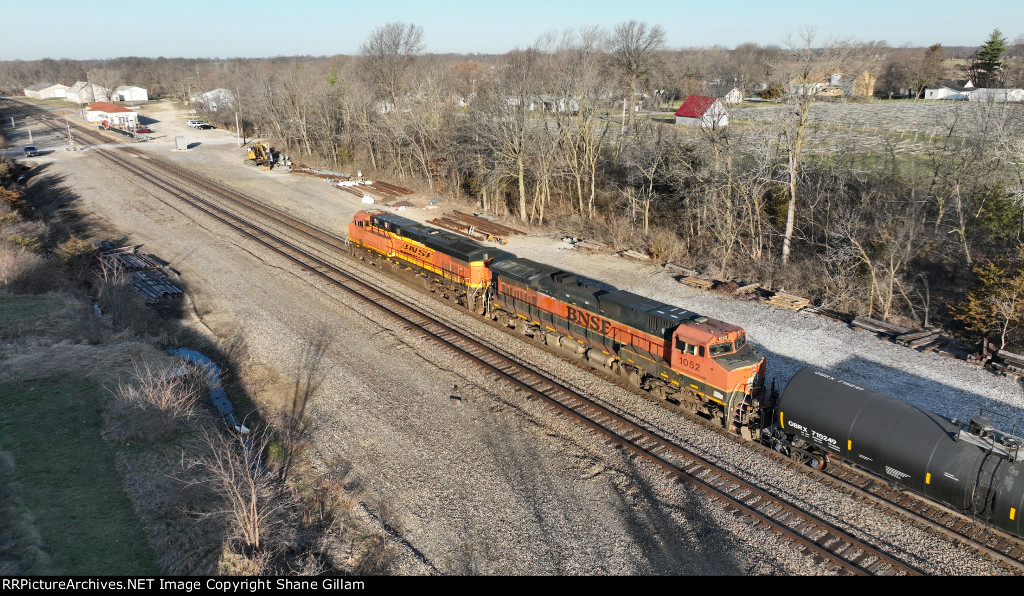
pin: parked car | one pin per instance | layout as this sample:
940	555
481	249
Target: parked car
143	129
195	123
31	151
204	126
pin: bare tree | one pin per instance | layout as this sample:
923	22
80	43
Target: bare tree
634	54
388	53
251	500
811	68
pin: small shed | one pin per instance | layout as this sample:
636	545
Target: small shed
114	115
703	111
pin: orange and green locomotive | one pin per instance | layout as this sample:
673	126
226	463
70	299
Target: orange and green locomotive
701	364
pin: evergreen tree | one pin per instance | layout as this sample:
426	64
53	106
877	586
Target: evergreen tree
988	61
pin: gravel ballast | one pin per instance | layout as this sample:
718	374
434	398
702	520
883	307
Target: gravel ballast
493	483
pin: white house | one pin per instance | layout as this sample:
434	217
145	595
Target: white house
46	91
130	93
111	115
997	95
83	92
948	89
703	111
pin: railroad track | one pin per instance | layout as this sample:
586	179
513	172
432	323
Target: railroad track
827	544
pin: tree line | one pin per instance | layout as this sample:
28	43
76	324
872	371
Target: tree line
576	130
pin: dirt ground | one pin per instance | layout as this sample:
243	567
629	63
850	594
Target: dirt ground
485	484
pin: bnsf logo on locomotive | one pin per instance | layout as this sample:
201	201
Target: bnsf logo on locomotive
421	252
592	322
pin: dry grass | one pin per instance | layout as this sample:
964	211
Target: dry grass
152	404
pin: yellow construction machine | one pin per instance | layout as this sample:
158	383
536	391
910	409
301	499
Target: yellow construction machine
260	155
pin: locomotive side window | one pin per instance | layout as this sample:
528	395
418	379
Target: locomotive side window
741	341
691	349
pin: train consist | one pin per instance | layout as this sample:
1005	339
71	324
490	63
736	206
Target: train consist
967	465
698	363
706	366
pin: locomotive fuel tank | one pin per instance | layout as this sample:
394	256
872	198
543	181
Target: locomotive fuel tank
969	467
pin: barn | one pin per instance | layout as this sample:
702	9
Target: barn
114	115
130	93
703	111
46	91
83	92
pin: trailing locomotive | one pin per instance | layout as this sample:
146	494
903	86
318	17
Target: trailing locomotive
451	265
968	466
700	364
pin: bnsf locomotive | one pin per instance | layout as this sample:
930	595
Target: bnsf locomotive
707	366
698	363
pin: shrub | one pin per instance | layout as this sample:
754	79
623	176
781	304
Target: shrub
152	405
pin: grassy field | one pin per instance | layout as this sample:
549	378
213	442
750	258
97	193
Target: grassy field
64	480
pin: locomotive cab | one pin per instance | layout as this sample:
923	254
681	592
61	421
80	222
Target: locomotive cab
720	352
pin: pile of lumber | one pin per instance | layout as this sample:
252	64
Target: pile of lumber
788	301
590	246
919	339
635	255
880	327
1001	361
697	282
680	269
476	227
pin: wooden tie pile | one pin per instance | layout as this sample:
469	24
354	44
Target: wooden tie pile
475	227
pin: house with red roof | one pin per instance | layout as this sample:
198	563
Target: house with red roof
702	111
112	115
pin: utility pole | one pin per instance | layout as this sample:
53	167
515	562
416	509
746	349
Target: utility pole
238	131
71	138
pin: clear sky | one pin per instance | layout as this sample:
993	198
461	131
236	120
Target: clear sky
259	28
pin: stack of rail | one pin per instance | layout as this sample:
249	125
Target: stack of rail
145	275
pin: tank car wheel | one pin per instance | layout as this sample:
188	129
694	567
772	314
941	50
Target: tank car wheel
782	449
818	461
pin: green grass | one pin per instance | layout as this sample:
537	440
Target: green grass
15	309
68	479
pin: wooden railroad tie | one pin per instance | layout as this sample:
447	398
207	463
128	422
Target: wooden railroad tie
685	271
789	301
881	327
697	282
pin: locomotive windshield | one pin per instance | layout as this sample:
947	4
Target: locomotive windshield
719	349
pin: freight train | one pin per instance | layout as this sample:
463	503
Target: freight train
706	366
966	465
698	363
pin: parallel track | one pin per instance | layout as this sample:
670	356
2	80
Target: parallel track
843	552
